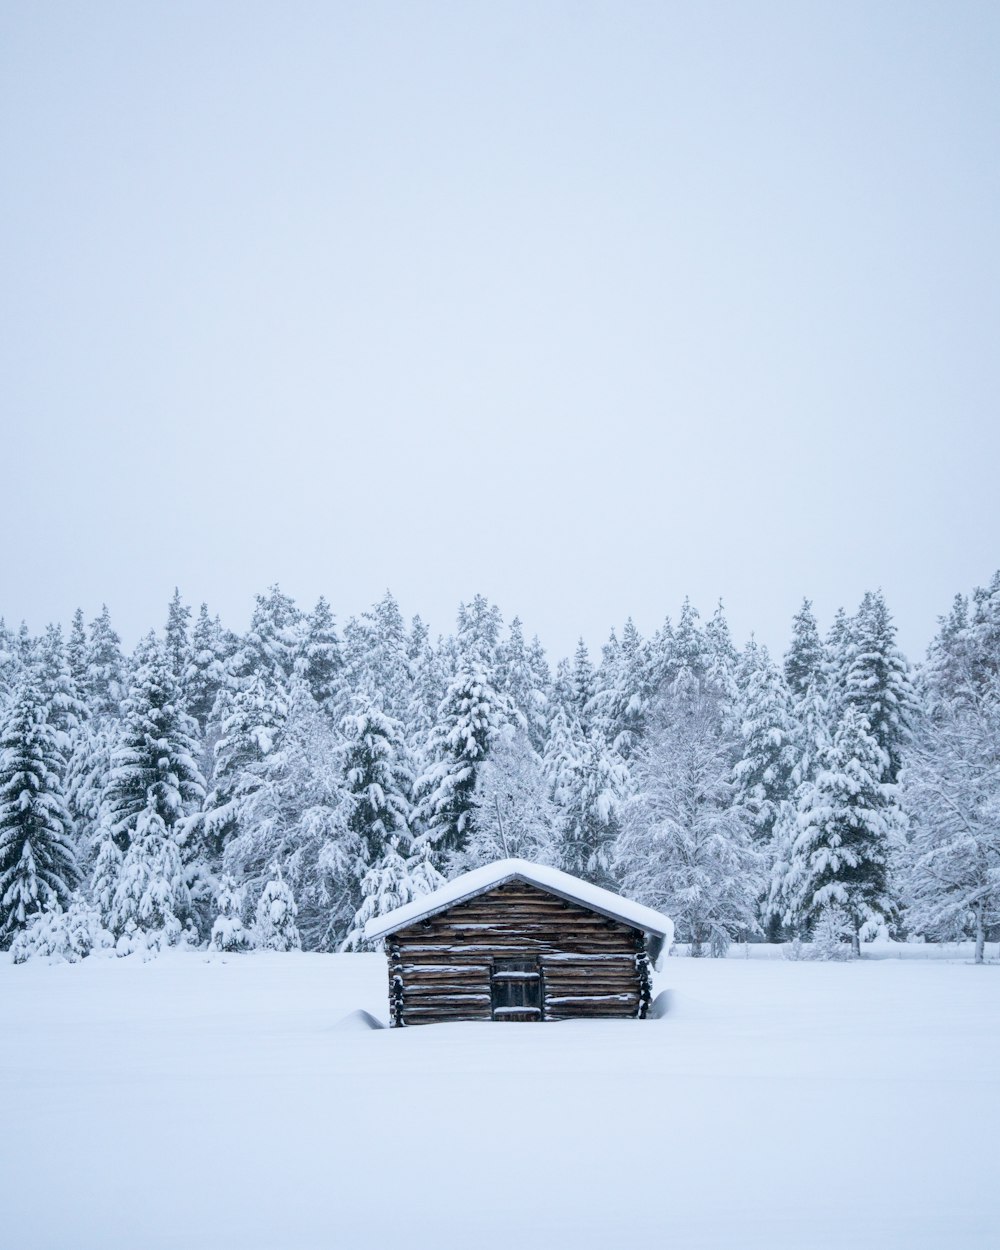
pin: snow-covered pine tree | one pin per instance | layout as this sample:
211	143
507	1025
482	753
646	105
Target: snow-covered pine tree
804	657
686	846
583	686
848	827
767	752
66	710
105	682
836	648
378	782
950	870
205	674
10	663
251	711
592	784
876	680
37	861
177	641
150	895
984	630
623	691
513	810
721	656
375	652
469	717
430	673
153	796
690	649
392	882
525	682
77	652
320	658
274	926
229	933
104	879
289	812
154	767
811	739
274	638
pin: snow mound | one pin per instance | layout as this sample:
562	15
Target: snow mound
660	1005
358	1021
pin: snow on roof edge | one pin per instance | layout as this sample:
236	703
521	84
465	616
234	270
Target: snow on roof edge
480	880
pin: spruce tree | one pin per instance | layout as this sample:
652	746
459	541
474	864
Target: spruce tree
950	869
275	928
623	691
177	641
105	673
766	748
150	897
686	844
290	814
469	717
375	652
524	682
804	657
377	775
229	934
592	784
154	767
9	661
848	826
876	680
320	654
206	667
37	861
66	708
77	649
513	811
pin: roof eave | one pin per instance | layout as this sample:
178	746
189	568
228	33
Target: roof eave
373	932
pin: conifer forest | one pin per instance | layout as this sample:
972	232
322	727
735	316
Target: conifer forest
277	789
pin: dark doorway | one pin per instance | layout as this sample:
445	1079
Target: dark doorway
516	986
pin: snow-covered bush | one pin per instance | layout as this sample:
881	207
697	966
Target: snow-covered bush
143	914
275	928
62	935
229	932
833	935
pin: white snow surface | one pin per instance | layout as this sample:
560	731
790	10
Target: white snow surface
221	1102
469	884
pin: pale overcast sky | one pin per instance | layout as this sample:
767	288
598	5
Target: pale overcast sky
583	306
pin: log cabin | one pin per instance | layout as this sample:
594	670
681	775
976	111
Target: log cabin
515	941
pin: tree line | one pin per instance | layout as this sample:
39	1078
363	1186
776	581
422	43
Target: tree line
278	788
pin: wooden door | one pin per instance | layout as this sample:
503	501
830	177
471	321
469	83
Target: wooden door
516	989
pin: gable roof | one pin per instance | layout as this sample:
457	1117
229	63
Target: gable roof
481	880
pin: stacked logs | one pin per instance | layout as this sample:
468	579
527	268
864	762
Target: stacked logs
440	967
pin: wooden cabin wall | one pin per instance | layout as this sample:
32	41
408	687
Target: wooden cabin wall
439	968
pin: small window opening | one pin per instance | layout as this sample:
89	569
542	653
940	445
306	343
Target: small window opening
516	986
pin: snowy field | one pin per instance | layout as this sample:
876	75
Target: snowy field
212	1102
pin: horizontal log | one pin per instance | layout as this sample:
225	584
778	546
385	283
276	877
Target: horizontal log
412	1015
455	968
565	1000
557	957
584	990
448	943
443	991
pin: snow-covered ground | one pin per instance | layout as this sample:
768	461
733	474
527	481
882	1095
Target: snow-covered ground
210	1101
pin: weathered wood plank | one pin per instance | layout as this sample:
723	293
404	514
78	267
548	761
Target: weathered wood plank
590	965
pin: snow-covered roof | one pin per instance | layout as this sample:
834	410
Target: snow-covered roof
480	880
